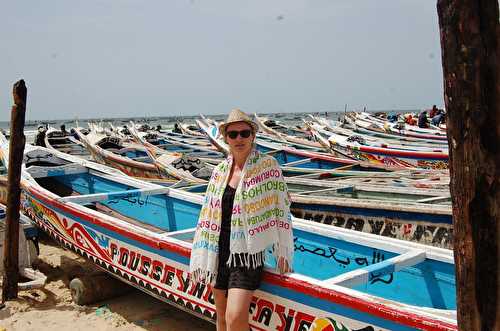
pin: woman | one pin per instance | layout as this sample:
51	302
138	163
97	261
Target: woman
246	211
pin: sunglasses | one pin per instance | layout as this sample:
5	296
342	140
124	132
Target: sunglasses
243	133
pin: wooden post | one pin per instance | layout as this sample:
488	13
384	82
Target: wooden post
470	37
16	152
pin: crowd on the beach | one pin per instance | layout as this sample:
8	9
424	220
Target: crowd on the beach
424	119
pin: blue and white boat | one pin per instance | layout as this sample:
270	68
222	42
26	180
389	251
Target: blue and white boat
142	234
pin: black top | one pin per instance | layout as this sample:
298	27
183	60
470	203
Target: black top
225	232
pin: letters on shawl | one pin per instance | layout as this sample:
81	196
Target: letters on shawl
260	218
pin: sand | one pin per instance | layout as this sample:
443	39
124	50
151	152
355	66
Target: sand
51	308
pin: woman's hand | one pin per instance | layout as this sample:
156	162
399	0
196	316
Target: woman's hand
283	266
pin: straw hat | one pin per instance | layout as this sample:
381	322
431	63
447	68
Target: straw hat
237	115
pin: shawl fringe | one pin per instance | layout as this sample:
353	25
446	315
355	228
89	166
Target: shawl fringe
247	260
203	276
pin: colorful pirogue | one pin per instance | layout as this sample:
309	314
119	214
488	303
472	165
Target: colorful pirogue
141	233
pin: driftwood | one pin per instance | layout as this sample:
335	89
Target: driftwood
16	152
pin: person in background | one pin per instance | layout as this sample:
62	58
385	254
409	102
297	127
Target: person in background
177	129
40	136
392	118
63	130
422	120
438	119
433	112
227	252
74	134
409	119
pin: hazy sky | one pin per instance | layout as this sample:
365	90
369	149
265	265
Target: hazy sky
159	58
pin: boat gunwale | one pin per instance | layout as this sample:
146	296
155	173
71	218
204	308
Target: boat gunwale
413	207
369	187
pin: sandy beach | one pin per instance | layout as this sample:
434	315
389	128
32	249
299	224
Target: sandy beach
51	308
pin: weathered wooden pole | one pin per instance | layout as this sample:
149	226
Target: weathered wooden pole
470	35
16	152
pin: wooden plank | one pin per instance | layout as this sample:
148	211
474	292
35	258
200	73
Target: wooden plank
362	276
272	152
88	198
289	164
342	189
346	166
435	199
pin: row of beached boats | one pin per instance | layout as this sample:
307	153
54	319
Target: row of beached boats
399	202
372	239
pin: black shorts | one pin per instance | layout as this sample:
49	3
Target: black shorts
238	277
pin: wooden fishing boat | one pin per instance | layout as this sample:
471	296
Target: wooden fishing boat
403	129
367	140
65	142
282	133
377	134
134	160
305	160
161	142
142	234
190	129
390	131
357	149
198	145
184	167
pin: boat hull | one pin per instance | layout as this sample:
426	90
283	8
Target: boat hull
386	157
421	227
161	270
127	259
141	233
142	171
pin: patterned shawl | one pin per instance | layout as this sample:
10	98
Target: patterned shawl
260	218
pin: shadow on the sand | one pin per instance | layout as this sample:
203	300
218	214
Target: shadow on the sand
154	315
64	270
135	307
68	269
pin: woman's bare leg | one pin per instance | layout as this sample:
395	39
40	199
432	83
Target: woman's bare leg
220	308
238	305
